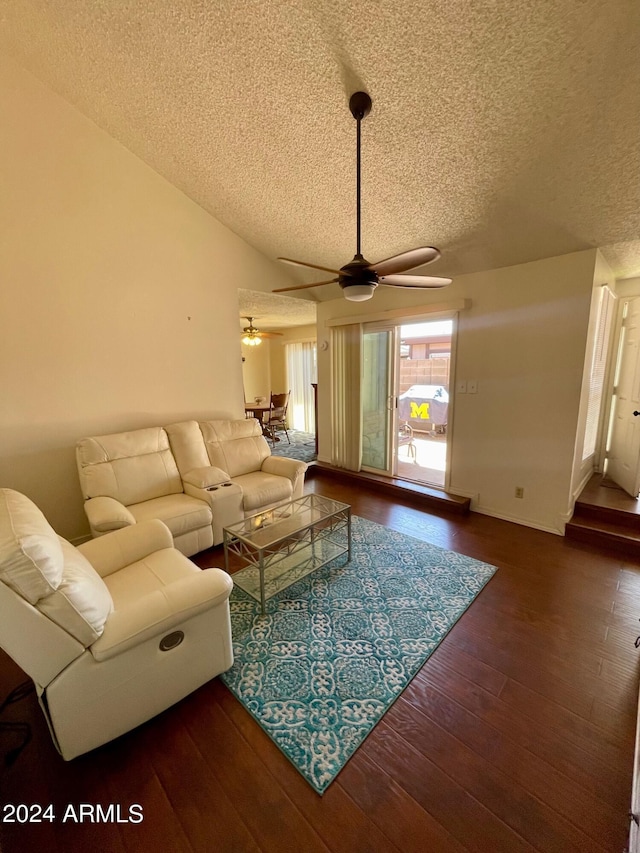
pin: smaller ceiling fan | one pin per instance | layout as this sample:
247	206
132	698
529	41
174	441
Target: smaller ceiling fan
359	278
251	336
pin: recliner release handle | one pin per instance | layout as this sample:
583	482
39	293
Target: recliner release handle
171	641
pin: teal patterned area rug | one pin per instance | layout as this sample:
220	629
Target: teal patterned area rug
301	445
336	648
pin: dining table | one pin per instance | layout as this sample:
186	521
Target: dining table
258	411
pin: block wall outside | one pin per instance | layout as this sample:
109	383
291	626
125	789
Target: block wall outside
423	371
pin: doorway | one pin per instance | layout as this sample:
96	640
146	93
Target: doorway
405	399
622	457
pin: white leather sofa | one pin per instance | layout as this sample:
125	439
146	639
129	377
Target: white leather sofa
113	632
195	477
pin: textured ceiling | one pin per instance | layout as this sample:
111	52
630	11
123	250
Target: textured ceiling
272	311
501	131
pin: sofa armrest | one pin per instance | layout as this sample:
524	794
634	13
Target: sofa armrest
160	611
106	514
283	467
120	548
203	478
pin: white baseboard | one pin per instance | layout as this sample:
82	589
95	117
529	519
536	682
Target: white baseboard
583	482
525	522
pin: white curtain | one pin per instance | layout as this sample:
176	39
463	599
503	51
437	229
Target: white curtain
301	372
346	416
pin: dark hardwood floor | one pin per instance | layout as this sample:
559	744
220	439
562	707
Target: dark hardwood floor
517	734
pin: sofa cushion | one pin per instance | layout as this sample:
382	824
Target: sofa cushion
187	446
181	513
81	603
130	467
260	490
202	478
237	447
31	558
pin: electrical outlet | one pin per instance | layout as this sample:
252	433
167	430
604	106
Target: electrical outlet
519	492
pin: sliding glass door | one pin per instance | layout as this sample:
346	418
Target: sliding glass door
423	389
378	401
405	399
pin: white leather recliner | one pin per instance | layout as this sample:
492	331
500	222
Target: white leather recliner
232	459
240	448
128	477
113	632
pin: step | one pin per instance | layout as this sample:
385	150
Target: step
621	517
428	497
606	533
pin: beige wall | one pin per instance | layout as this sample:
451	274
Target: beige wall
523	340
256	370
296	334
264	368
118	297
628	287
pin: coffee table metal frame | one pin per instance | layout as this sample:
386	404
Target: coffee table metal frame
297	537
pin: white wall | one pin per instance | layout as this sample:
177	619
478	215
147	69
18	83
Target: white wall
118	297
523	340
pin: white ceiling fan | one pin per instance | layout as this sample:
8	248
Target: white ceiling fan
359	278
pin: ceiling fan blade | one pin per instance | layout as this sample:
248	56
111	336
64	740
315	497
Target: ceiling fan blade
406	261
424	281
269	334
304	286
305	264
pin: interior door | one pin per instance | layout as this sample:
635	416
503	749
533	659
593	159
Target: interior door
623	455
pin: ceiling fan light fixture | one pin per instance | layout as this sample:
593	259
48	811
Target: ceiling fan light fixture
251	340
358	292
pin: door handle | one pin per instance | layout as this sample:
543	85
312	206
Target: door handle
635	414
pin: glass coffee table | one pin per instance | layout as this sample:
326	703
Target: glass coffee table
281	545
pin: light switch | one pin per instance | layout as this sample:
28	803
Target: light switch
472	386
461	387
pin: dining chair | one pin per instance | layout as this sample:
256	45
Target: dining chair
277	418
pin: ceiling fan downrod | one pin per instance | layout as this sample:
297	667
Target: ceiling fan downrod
360	106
